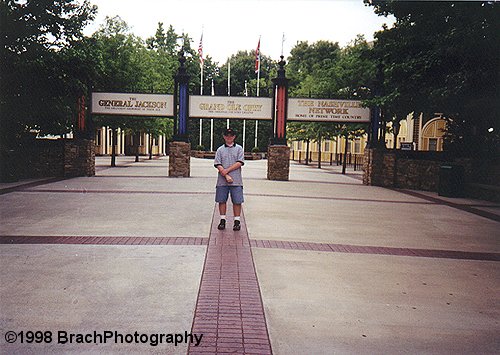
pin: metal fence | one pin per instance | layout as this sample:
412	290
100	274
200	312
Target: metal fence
353	160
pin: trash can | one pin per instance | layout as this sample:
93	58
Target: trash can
451	180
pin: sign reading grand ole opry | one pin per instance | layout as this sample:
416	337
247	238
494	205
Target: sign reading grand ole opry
239	107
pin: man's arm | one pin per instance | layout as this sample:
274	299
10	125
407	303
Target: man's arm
217	162
233	167
221	170
225	172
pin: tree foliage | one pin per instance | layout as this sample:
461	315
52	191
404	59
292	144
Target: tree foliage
325	70
38	80
128	64
309	66
243	69
443	57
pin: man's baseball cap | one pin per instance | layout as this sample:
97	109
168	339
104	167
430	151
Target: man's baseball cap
229	132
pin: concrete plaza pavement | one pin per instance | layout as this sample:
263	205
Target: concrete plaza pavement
342	267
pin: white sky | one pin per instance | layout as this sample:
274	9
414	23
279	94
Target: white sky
229	26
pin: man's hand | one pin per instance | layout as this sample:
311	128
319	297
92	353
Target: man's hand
222	171
229	179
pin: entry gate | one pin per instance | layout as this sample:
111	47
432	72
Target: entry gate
280	109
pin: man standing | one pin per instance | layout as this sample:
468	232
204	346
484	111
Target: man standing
229	159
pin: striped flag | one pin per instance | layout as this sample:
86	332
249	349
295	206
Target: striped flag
257	57
200	50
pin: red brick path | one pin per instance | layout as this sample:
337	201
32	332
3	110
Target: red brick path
272	244
361	249
229	311
93	240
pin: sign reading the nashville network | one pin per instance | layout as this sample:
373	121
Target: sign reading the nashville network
320	110
240	107
132	104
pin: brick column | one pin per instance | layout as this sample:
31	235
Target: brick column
278	162
79	157
379	167
179	159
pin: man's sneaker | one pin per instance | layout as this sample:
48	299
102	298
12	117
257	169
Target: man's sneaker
222	224
237	226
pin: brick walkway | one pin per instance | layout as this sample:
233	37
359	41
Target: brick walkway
268	244
229	311
361	249
99	240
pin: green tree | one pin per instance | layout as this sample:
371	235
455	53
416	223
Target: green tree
129	64
309	69
243	69
161	61
38	84
325	70
124	60
165	43
443	57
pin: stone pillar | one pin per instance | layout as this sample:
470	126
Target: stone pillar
278	162
379	167
179	159
79	157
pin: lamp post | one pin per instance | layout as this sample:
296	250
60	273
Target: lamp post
278	152
181	104
180	148
280	105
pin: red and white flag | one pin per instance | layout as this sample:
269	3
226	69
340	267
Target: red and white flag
257	57
200	50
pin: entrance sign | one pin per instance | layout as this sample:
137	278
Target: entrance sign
240	107
322	110
132	104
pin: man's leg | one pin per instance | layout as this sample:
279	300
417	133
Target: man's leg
222	211
237	214
237	198
221	195
223	208
236	209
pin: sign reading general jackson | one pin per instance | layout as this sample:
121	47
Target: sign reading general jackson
241	107
132	104
321	110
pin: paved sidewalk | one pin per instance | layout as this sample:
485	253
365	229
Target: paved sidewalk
323	264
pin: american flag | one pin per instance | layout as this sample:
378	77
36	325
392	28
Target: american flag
200	50
257	57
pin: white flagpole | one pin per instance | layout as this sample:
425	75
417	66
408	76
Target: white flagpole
212	124
244	121
282	42
200	52
228	85
258	79
258	93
